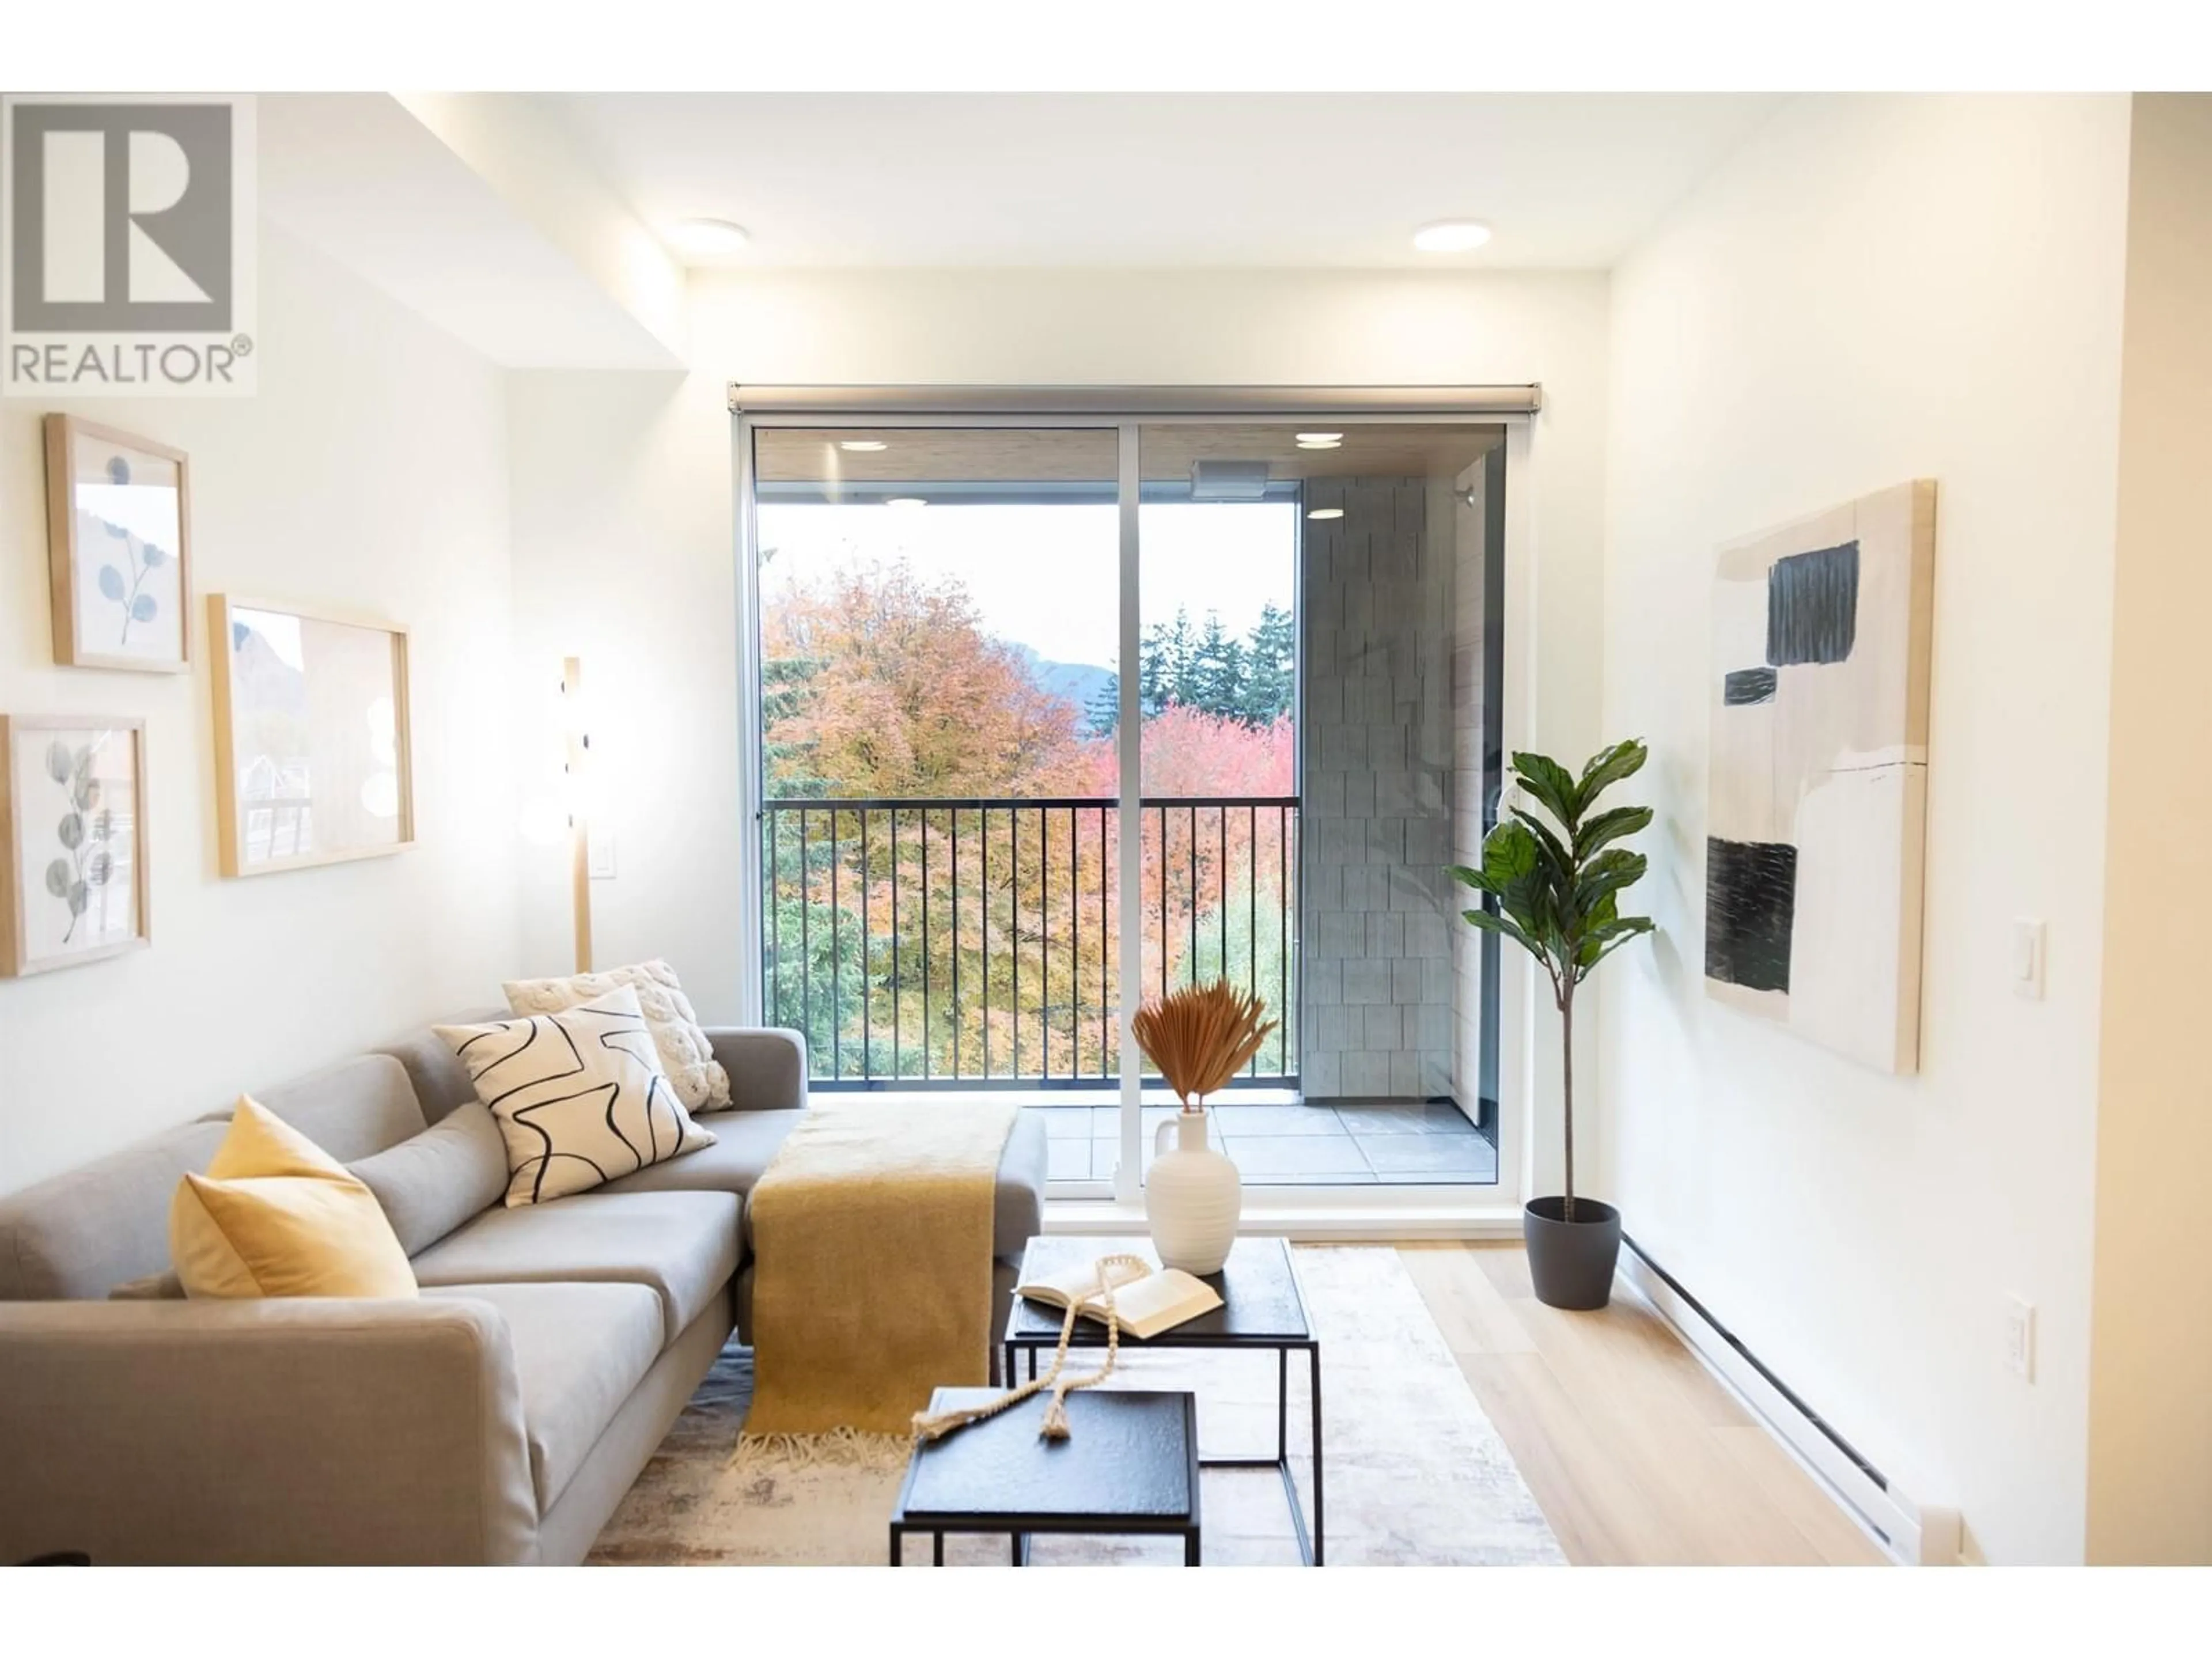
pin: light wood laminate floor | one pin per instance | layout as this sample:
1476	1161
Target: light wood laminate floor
1636	1453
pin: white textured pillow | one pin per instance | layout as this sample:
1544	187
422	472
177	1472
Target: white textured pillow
579	1096
701	1082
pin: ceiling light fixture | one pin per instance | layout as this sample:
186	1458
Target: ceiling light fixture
1321	440
905	503
1326	513
1451	236
707	238
860	446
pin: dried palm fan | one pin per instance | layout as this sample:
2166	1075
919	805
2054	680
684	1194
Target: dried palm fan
1200	1036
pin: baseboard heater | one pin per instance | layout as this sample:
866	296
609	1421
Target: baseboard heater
1917	1533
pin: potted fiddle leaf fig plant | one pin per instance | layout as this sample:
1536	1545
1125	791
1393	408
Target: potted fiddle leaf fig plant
1554	889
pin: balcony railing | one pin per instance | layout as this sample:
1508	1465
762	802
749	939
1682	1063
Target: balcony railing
975	944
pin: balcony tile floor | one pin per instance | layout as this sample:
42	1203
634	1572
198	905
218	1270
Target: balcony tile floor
1386	1143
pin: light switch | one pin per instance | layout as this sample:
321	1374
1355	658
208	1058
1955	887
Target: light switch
2028	938
600	857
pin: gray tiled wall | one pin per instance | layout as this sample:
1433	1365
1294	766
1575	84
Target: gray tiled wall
1376	958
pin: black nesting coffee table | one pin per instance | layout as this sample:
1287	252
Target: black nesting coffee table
1129	1465
1261	1308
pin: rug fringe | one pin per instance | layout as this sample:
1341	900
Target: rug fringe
845	1448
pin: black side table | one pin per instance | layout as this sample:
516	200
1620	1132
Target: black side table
1130	1464
1262	1308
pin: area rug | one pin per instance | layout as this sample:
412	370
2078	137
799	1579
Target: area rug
1417	1476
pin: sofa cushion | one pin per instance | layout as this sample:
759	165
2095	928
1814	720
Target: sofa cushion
351	1109
682	1246
697	1076
275	1215
743	1144
580	1352
430	1184
1018	1209
579	1095
80	1234
441	1082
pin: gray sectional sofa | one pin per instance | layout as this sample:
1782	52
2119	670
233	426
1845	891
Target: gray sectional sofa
498	1419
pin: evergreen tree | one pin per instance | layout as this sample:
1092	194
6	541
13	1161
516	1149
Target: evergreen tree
1217	672
1271	675
1102	715
1164	660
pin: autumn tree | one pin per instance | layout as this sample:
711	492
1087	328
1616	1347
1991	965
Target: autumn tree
906	696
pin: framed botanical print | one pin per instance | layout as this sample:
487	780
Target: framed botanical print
119	534
312	755
73	833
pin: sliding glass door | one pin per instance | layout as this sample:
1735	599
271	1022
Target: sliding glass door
1047	718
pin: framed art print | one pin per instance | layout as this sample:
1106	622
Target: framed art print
118	533
1818	788
312	747
73	833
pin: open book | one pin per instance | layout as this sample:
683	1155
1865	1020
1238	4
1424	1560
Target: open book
1146	1300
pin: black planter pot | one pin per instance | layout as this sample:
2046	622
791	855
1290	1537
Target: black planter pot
1571	1262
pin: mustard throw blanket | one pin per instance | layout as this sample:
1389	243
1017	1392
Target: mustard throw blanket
871	1233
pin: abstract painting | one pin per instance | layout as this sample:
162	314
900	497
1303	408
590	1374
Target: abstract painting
73	835
1818	786
311	732
118	526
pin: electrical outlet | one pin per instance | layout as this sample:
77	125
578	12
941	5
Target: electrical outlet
600	857
2019	1337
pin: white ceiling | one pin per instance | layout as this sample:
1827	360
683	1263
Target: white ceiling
1566	180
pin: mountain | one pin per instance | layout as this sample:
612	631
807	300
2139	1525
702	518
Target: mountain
1073	682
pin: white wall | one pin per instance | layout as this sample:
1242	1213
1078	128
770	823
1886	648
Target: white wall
370	471
2150	1432
622	506
1875	290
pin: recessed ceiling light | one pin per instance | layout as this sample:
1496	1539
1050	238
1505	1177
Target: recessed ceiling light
1451	236
707	237
1321	440
906	503
860	446
1329	446
1326	513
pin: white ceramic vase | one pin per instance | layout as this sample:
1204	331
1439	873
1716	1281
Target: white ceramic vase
1193	1197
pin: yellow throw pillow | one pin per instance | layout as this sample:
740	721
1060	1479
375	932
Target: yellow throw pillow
275	1215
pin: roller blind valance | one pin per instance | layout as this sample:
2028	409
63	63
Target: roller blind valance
1140	401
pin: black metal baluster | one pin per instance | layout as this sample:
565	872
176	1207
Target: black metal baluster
1044	947
986	908
836	954
897	1069
1014	888
956	941
925	941
1283	921
806	938
774	919
1074	948
1190	963
1164	901
1105	940
1223	812
1252	914
867	964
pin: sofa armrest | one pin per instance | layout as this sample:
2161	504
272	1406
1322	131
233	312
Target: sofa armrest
284	1432
766	1065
